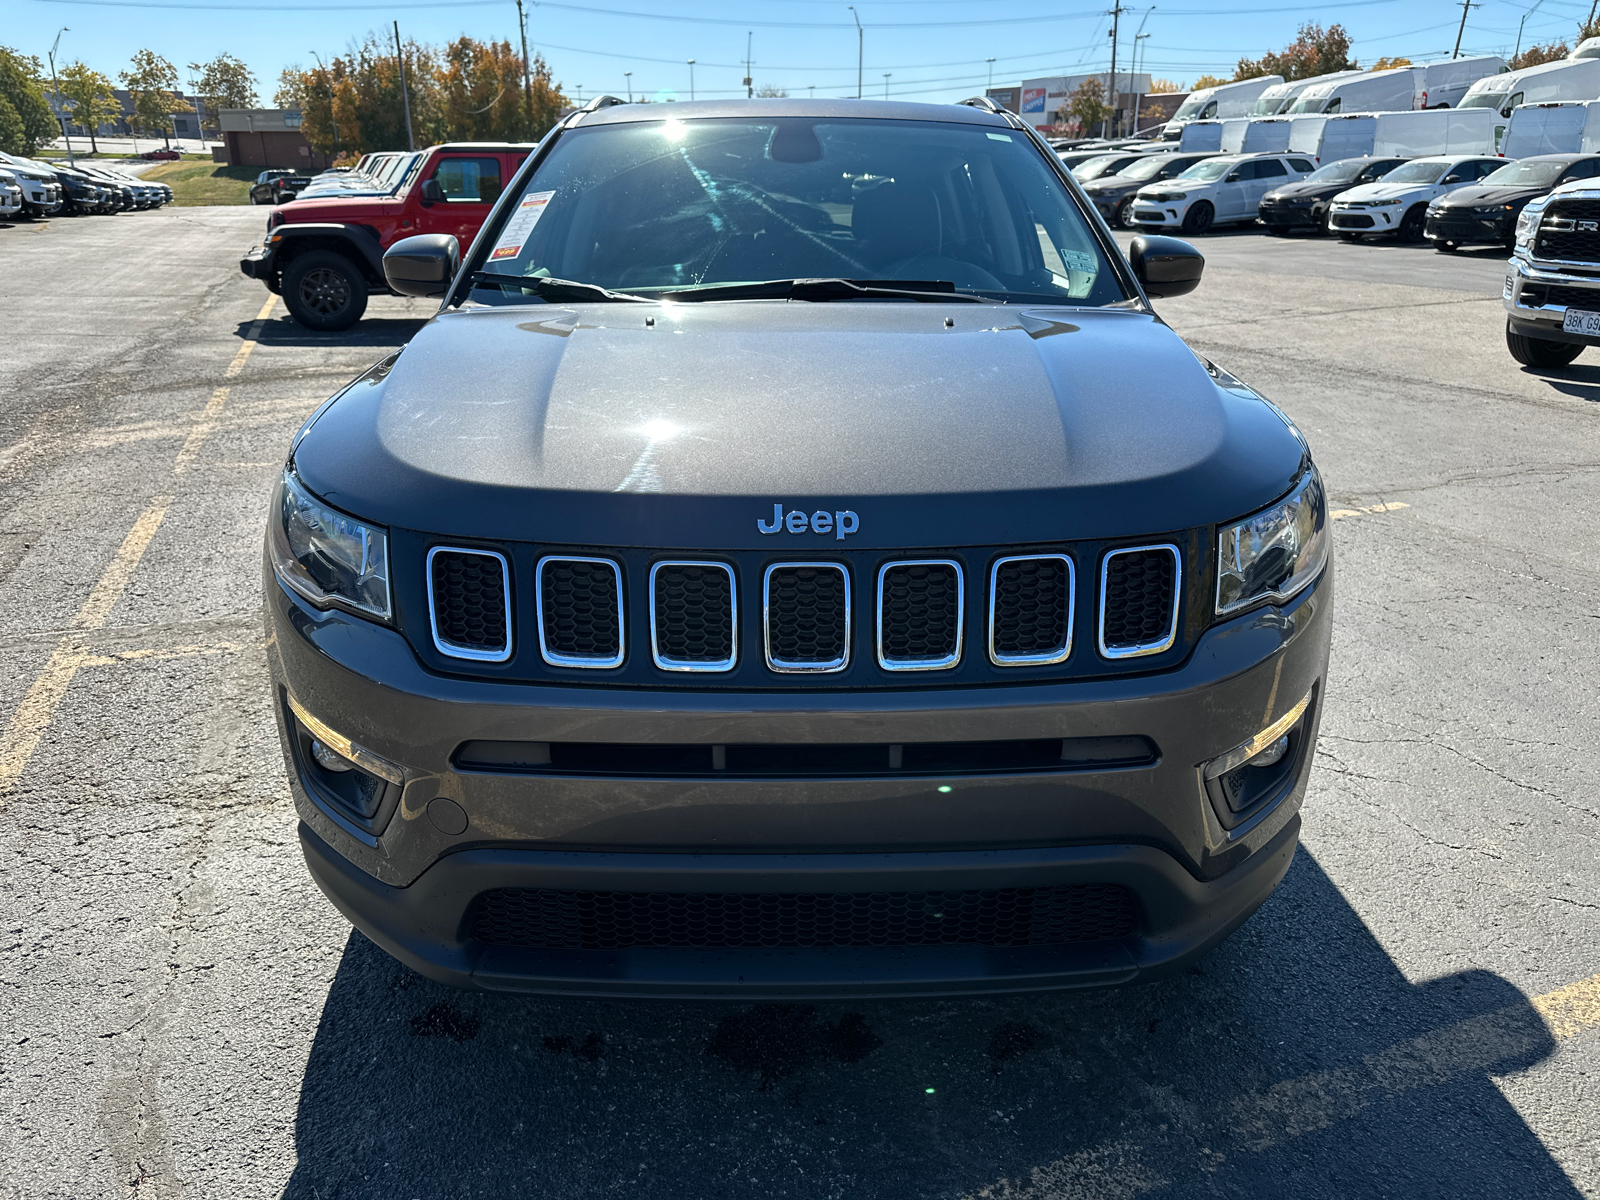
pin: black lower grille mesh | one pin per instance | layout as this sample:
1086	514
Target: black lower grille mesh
1140	592
573	920
469	601
579	608
694	613
919	612
1031	601
806	615
1535	295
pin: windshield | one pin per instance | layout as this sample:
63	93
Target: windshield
1415	172
1267	106
1146	168
1529	174
1209	170
674	205
1190	107
1096	167
1337	172
1484	100
1308	104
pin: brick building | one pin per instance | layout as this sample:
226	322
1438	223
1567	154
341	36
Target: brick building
267	137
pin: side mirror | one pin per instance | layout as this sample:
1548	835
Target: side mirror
1233	178
422	265
432	193
1165	266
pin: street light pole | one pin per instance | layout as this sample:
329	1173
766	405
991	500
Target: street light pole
332	119
527	81
411	141
886	85
861	48
990	88
1133	82
749	79
629	75
61	113
691	79
1516	53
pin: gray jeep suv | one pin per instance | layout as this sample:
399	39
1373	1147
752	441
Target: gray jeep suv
797	560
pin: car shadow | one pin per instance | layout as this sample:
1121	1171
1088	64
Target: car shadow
376	332
1581	381
1295	1060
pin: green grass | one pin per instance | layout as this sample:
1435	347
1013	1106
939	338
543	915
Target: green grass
195	183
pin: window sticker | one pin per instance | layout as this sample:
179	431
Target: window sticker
1079	261
515	235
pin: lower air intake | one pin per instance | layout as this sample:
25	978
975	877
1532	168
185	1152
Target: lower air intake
572	920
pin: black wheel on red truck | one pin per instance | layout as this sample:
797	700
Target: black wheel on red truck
324	291
1540	352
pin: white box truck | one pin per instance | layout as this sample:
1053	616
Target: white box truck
1277	98
1555	127
1400	89
1564	79
1224	100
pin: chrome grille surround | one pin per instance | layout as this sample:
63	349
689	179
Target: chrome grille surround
943	663
1060	654
1154	647
694	664
454	649
588	662
801	666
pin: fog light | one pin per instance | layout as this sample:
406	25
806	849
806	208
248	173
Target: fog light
1256	750
1270	757
331	760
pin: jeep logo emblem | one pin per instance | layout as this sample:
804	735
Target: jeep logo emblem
840	524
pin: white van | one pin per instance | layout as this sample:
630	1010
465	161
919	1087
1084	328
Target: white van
1224	100
1441	85
1558	127
1277	98
1437	131
1566	79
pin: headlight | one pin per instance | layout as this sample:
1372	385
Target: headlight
1527	223
1383	203
332	560
1277	552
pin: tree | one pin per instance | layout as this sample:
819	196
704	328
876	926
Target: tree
1316	51
224	82
480	86
1534	55
1161	86
772	91
22	88
1206	81
1087	106
1389	64
89	94
151	84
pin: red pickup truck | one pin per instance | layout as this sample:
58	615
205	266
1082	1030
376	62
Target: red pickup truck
324	254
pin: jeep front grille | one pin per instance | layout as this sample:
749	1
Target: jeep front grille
547	918
806	617
1139	601
921	611
1561	235
469	602
580	612
1030	610
694	616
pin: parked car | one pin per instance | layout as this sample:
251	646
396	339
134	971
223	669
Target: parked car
1552	291
325	255
1486	213
1105	163
82	194
122	196
1113	194
10	194
619	645
41	194
1221	190
167	155
276	186
1305	203
1398	203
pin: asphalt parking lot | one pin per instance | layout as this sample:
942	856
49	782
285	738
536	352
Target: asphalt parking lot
1415	1013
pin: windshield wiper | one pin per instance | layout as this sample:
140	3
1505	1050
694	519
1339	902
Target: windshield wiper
553	289
936	291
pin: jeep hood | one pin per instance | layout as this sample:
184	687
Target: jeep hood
681	425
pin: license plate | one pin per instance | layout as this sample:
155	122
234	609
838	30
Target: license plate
1579	321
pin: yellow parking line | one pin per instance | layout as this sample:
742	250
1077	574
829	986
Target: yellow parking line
1570	1010
213	409
1339	514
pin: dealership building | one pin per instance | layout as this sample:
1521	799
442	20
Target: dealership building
1038	101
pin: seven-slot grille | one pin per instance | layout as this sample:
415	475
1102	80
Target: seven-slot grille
920	615
580	612
469	602
548	918
1562	233
806	610
1139	601
694	616
806	617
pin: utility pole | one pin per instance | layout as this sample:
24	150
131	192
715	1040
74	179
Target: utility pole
886	85
527	84
1465	5
1592	7
411	141
749	85
61	113
1116	17
990	88
691	79
629	76
1138	35
332	120
861	48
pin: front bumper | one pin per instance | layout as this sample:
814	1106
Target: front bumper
411	882
1466	229
1365	220
1292	216
1158	214
1536	300
257	262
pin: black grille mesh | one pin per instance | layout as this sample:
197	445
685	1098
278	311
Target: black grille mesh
1140	591
1577	245
580	609
919	613
573	920
469	600
806	614
1031	599
694	613
1537	294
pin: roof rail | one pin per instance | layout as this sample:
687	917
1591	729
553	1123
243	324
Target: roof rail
600	102
982	102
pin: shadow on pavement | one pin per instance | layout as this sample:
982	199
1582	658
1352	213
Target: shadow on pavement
380	333
1580	381
1296	1060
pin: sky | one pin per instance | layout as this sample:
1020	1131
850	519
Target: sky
932	50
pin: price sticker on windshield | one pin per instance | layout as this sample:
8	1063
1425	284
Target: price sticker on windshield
515	235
